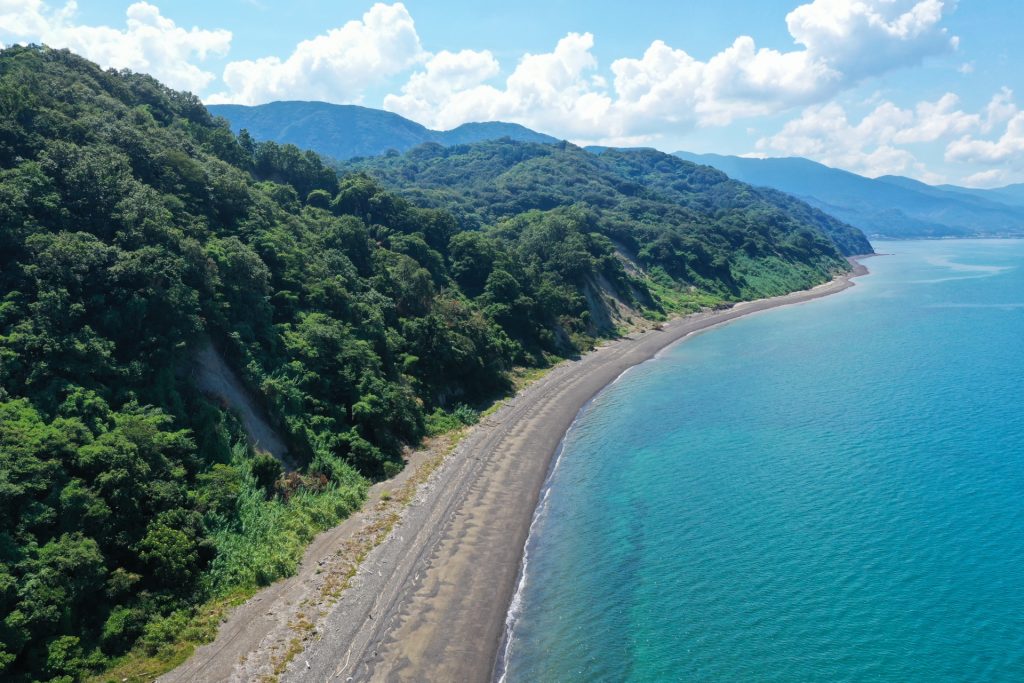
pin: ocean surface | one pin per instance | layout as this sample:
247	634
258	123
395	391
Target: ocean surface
832	491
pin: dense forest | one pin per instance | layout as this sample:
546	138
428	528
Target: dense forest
672	216
135	229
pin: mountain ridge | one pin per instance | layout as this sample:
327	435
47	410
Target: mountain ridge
346	131
888	206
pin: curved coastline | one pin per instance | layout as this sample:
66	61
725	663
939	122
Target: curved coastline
711	321
432	601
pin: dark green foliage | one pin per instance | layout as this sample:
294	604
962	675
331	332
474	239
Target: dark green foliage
135	229
692	222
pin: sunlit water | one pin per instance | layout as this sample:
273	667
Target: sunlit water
826	492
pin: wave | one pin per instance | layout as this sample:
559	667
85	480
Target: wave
947	262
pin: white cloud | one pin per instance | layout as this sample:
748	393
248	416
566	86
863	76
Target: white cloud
1007	149
149	43
336	66
994	177
887	139
864	37
837	43
999	110
934	120
444	73
876	145
546	90
825	134
841	42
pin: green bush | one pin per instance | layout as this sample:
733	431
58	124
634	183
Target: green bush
439	421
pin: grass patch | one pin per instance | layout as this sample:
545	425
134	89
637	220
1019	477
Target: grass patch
680	301
441	421
264	542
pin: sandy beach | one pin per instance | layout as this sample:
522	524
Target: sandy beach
429	603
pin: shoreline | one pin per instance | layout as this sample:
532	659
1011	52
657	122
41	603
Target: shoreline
432	600
499	668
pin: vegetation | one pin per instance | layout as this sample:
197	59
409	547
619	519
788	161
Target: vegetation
682	223
135	228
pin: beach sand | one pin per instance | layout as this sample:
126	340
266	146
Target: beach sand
429	603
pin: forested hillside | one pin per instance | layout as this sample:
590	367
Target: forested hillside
135	229
683	223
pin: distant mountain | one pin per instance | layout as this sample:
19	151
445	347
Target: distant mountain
344	131
468	133
1011	194
890	206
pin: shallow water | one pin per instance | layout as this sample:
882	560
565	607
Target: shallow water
826	492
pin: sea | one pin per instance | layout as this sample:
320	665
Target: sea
830	491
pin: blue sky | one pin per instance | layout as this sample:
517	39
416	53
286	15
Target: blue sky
924	88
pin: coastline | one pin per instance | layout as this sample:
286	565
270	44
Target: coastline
436	605
432	601
711	321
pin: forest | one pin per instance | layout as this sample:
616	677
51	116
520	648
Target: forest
363	307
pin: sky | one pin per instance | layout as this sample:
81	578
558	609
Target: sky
922	88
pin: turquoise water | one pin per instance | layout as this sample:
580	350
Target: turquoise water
825	492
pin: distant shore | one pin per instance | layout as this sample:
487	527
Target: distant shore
432	600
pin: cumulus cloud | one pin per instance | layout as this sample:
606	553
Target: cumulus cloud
444	74
877	144
1007	149
547	90
149	42
634	100
1005	152
840	42
336	66
864	37
825	134
994	177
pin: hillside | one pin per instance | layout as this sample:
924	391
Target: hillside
889	206
346	131
684	221
135	228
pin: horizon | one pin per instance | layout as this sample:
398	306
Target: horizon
918	88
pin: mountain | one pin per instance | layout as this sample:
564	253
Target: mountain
652	203
142	241
344	131
1010	194
890	206
469	133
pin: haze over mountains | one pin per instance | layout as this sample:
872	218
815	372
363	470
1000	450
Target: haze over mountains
889	206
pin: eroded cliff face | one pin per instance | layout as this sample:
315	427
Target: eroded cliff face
215	378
